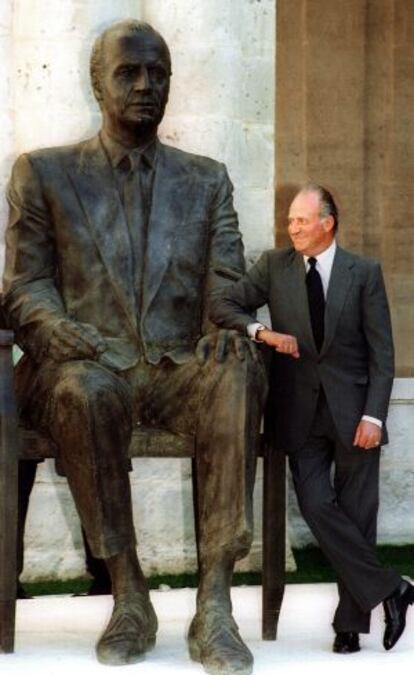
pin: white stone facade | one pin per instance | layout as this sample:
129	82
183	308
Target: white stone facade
222	105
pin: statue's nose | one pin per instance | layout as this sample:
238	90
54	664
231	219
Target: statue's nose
142	79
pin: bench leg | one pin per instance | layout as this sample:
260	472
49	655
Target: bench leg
7	624
9	453
196	510
274	540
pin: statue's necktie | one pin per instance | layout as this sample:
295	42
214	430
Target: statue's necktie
136	215
316	301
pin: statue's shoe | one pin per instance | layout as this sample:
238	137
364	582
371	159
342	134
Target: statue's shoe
130	632
214	641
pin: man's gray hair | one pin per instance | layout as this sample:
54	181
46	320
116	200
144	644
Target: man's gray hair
131	26
326	200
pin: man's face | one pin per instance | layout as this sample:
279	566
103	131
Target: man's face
310	233
135	81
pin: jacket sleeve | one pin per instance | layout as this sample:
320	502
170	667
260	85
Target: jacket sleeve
235	307
226	251
378	333
32	302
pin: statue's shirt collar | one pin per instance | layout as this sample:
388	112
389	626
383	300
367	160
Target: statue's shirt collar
117	153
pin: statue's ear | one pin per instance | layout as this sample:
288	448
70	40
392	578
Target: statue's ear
97	90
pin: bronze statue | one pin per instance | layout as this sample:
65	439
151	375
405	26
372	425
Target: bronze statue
115	248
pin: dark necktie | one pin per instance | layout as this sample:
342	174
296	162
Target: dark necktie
136	215
316	301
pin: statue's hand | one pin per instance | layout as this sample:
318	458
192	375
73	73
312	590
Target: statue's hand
74	340
219	344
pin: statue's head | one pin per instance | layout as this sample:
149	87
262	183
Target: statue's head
130	71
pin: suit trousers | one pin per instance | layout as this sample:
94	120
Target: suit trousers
89	411
337	491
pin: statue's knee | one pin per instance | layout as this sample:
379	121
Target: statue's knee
249	372
85	386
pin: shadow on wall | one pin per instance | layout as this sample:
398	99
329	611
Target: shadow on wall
284	196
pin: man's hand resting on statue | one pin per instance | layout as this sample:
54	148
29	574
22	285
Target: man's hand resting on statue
72	340
221	343
285	344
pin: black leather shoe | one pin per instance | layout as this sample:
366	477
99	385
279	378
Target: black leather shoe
346	643
395	607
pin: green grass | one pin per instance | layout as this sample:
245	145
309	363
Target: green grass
311	564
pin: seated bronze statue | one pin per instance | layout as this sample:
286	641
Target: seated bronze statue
116	247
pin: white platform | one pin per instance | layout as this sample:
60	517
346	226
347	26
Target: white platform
56	636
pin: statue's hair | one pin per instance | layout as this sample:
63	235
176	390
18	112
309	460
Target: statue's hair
130	26
326	200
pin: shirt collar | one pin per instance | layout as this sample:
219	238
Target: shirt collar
117	152
324	259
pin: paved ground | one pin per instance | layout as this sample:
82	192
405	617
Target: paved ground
56	635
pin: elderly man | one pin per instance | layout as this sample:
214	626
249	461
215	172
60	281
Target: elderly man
330	388
115	247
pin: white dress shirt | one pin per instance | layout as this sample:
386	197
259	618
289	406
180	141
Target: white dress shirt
324	262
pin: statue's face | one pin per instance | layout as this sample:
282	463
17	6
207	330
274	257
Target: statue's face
135	81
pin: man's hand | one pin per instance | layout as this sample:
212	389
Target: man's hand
368	435
219	344
285	344
72	340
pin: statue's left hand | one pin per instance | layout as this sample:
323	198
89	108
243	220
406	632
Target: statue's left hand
72	340
220	343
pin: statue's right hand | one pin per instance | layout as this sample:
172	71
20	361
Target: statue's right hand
74	340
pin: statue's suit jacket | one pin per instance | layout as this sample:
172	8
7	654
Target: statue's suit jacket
69	254
355	365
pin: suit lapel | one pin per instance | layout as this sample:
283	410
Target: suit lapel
171	202
298	299
339	285
95	187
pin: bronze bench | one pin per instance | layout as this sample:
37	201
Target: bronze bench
16	442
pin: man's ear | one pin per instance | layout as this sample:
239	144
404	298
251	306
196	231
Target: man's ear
328	223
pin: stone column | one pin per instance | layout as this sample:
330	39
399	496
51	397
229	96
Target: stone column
6	105
396	190
320	105
345	105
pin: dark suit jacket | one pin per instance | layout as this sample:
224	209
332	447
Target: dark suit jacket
68	251
355	366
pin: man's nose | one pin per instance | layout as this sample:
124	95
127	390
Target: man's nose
142	80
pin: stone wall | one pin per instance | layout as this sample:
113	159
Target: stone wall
345	102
